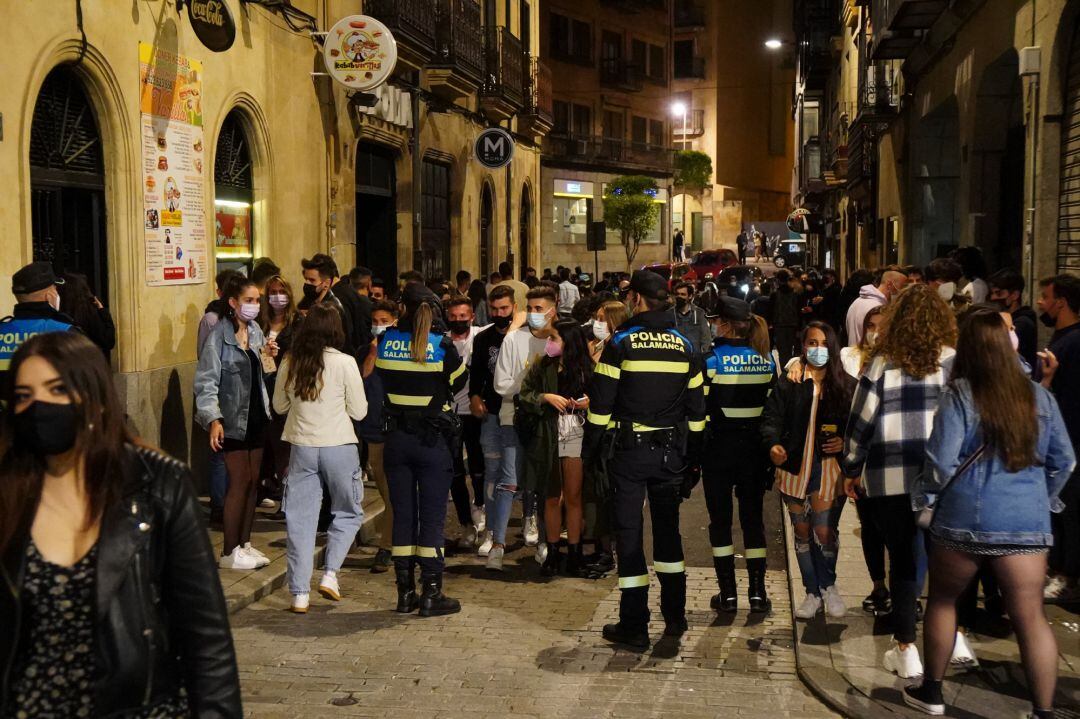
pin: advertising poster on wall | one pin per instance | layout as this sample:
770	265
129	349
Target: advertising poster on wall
173	168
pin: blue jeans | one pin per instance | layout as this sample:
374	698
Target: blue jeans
816	553
503	464
219	479
309	469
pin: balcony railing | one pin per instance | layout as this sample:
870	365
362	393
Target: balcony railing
618	73
504	66
879	90
689	14
538	98
608	151
695	124
460	38
694	68
411	21
898	25
835	145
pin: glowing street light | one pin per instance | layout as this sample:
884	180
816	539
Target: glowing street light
774	43
678	109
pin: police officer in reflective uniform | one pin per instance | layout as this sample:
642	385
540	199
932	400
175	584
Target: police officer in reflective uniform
420	371
739	375
646	417
37	310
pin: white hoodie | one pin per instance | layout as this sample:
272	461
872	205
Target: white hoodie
869	298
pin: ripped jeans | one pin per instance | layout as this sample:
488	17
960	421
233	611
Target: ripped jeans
817	541
503	464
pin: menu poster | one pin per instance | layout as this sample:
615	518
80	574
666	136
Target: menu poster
174	214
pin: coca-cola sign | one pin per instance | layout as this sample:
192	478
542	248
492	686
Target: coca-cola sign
212	23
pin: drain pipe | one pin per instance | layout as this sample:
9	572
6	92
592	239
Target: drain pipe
417	170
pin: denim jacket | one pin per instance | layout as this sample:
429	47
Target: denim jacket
223	379
989	504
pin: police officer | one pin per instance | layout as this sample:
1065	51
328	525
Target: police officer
420	371
646	416
37	310
738	378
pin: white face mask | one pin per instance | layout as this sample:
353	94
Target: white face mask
946	290
600	331
54	301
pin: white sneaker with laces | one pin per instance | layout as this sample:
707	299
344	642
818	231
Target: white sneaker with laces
300	603
809	608
532	532
328	586
267	503
834	603
261	560
479	519
905	663
238	559
251	550
495	559
541	553
963	656
486	543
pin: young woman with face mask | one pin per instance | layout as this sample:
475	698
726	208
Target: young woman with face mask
93	527
233	405
802	428
608	316
277	319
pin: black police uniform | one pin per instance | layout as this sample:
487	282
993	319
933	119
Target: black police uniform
419	427
738	380
30	318
646	401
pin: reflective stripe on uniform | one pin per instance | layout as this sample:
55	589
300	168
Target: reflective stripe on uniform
600	419
728	551
4	364
669	567
742	412
402	551
756	553
607	370
457	373
697	425
741	378
410	400
427	551
641	580
695	381
655	366
409	365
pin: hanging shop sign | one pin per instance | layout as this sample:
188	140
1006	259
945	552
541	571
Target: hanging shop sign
212	23
173	173
360	52
494	148
390	105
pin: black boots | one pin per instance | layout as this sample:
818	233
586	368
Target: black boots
550	567
433	603
621	634
406	590
759	598
727	600
575	561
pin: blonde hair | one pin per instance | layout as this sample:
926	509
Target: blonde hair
421	324
615	313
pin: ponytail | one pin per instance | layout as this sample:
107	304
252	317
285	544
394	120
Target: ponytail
421	325
759	335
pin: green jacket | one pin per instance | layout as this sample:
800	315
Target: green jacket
537	422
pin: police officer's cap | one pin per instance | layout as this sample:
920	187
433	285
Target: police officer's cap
34	277
649	284
730	308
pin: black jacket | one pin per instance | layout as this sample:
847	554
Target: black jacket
161	620
787	414
357	316
1027	331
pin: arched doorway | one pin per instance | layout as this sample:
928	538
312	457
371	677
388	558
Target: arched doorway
524	225
376	211
487	230
234	194
935	181
67	182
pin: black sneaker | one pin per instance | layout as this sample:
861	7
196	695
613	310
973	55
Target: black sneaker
878	603
925	700
676	627
633	638
382	562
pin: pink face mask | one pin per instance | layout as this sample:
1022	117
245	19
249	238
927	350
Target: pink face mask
552	348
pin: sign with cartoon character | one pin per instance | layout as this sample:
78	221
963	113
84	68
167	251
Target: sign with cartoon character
360	52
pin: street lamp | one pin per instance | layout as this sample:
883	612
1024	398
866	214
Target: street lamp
774	43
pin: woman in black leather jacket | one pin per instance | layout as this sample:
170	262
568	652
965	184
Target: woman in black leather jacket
109	591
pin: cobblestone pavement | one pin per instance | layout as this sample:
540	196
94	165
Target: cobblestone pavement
521	646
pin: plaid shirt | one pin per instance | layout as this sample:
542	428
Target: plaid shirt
892	414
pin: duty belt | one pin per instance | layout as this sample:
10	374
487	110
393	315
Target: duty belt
423	424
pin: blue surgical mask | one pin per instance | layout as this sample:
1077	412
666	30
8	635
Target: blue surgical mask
817	356
538	320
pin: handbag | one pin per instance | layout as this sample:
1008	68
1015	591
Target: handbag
925	516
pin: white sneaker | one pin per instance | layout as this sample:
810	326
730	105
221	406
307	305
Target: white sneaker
261	560
532	532
267	503
300	603
834	603
468	538
1054	585
963	656
809	607
239	559
541	553
1061	590
486	542
495	559
479	519
328	586
906	663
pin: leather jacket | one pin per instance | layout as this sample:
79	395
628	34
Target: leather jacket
161	621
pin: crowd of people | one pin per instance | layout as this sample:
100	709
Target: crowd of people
918	394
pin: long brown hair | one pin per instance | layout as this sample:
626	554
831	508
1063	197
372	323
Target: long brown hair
99	442
836	386
266	313
615	313
422	319
917	325
321	329
1003	394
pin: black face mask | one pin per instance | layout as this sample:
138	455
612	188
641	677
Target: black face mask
1047	320
682	302
502	322
1002	305
47	428
458	327
311	292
